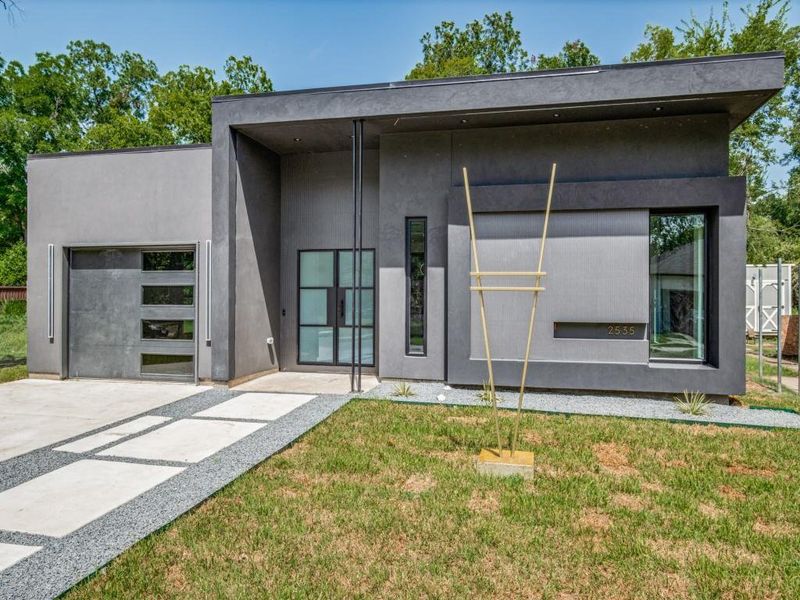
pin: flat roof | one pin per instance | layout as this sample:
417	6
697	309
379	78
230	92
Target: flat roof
505	76
133	150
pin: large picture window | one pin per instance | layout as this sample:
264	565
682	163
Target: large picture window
678	286
416	267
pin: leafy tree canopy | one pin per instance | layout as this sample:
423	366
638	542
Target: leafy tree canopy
491	45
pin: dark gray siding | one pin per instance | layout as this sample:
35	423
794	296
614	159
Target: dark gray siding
597	272
317	213
415	181
258	243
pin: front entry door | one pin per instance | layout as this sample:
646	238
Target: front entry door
325	315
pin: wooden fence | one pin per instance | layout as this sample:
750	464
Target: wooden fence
13	293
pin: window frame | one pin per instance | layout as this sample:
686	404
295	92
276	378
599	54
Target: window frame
424	352
172	251
706	214
148	340
145	374
167	285
335	326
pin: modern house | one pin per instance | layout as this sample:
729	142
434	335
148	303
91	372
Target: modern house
219	262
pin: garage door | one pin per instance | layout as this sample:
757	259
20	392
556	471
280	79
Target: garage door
131	313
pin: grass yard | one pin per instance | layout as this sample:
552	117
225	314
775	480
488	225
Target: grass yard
764	392
13	341
382	500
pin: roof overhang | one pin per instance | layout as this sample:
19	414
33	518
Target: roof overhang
321	119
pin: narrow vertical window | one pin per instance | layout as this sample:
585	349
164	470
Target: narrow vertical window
416	267
678	286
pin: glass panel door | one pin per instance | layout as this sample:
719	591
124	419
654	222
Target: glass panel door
345	345
325	307
316	327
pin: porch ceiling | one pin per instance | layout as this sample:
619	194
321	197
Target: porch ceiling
335	135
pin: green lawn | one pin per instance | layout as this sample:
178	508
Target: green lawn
382	500
764	392
13	341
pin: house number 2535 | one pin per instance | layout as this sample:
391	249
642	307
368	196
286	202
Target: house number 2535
620	330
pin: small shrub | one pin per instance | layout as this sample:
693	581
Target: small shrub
485	395
402	389
692	403
14	264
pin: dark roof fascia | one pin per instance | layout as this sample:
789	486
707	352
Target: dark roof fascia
504	76
136	150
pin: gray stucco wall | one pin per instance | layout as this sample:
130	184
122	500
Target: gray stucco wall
258	243
317	214
598	259
691	146
597	272
157	196
415	181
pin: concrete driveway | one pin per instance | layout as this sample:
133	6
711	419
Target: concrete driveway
68	508
35	412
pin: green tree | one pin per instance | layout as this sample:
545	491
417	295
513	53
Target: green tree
573	54
491	45
13	264
181	102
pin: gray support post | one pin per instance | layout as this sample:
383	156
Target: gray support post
760	308
360	263
353	257
778	320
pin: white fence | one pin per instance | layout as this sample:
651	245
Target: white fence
769	297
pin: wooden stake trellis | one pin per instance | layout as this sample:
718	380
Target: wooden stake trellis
534	290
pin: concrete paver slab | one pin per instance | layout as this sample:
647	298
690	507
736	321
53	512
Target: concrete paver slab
115	434
257	406
64	500
305	383
187	440
11	554
37	412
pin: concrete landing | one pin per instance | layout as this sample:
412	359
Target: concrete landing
287	382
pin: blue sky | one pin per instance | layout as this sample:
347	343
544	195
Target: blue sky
327	42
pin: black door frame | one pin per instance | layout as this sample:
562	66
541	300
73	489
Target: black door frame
335	318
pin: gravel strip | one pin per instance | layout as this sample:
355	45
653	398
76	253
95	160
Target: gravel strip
592	404
63	562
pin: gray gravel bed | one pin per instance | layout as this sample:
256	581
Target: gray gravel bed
593	404
63	562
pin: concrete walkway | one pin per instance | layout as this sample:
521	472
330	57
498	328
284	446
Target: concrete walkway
37	412
69	507
789	384
592	404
